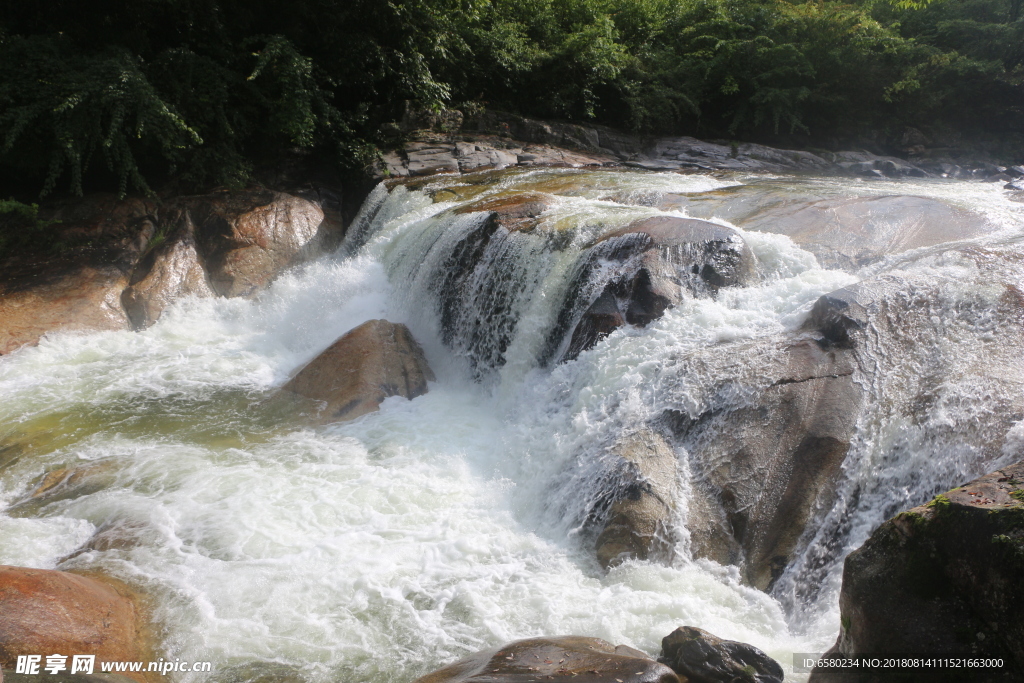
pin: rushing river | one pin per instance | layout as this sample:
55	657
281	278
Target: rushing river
383	548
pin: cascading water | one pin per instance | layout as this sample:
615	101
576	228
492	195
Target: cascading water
382	548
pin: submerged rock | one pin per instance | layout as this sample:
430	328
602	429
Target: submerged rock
942	579
559	658
357	372
703	658
518	212
639	518
43	612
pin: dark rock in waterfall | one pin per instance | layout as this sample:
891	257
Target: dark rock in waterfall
558	658
703	658
655	261
762	466
941	579
356	373
640	501
839	316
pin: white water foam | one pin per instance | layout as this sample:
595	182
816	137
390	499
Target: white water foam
379	549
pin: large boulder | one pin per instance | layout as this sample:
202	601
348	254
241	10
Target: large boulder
79	287
942	579
657	261
43	612
560	658
366	365
248	238
763	465
842	231
73	298
701	657
638	523
170	271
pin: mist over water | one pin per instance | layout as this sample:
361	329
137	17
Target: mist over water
383	548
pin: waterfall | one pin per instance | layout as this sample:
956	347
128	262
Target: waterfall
382	548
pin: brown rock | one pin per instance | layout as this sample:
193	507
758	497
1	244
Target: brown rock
78	288
246	239
640	516
44	612
85	298
559	658
356	373
518	212
171	270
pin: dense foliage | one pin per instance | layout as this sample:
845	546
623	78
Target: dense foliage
115	92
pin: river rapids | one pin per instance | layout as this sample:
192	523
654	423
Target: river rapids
380	549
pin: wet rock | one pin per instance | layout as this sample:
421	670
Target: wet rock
46	612
942	579
246	239
518	212
656	261
78	288
703	658
840	316
762	466
843	232
641	503
560	658
169	271
72	482
78	299
356	373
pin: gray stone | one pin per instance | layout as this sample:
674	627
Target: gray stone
639	519
661	257
700	657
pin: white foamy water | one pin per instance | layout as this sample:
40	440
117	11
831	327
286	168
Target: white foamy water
383	548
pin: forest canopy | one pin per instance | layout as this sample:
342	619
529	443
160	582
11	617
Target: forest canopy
121	94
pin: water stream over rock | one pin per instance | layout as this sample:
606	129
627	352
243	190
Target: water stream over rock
385	547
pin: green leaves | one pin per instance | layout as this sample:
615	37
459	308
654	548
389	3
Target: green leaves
77	107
